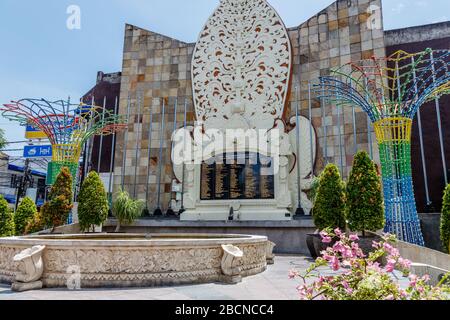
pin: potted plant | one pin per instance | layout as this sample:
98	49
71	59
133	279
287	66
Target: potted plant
364	204
445	220
6	219
56	211
92	203
126	209
329	207
24	215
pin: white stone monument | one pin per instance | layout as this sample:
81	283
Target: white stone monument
241	74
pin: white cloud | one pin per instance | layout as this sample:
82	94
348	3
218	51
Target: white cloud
399	7
422	3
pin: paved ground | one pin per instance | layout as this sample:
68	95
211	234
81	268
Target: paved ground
273	284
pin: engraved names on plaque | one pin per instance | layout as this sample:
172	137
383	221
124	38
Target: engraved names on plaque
242	176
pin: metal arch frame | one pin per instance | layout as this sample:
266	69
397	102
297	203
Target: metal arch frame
67	126
391	91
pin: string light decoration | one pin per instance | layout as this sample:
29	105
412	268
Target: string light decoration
391	90
67	126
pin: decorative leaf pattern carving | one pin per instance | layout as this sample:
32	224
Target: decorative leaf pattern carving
241	66
135	265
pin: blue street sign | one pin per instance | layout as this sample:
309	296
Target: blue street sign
37	151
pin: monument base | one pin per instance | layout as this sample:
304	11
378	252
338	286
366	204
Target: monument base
21	287
241	215
289	236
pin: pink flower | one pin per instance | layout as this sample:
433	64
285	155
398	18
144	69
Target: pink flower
326	239
293	274
390	267
403	293
404	263
354	237
426	278
376	245
334	264
413	280
387	247
390	297
324	234
348	254
347	288
338	232
338	247
327	257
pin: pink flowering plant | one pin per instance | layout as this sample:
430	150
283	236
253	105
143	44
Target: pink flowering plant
361	277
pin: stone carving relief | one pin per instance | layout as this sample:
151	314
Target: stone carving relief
241	66
303	161
31	269
105	266
231	263
269	253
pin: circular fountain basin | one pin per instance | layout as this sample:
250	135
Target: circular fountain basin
134	260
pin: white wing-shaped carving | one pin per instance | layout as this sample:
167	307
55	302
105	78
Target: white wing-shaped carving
306	147
241	66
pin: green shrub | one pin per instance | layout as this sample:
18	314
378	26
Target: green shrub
92	202
445	220
125	209
36	224
3	142
56	211
364	209
329	207
24	215
6	219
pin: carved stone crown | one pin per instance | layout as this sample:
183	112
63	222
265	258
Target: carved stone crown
241	67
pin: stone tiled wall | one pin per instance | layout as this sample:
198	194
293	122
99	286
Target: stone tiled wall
156	66
335	36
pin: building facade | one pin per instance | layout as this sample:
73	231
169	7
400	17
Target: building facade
156	67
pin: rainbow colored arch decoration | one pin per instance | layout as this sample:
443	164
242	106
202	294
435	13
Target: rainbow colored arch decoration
391	91
67	126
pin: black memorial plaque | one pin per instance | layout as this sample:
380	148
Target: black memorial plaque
222	182
237	177
243	176
208	181
267	181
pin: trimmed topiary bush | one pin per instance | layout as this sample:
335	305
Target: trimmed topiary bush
56	211
24	215
445	220
364	210
125	209
329	207
92	203
6	219
36	224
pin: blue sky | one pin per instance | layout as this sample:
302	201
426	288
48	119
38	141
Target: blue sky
41	57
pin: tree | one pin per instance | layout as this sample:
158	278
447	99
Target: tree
329	207
6	219
3	142
365	210
56	211
445	220
24	215
36	224
92	202
125	209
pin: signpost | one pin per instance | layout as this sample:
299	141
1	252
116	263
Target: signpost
37	152
33	133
